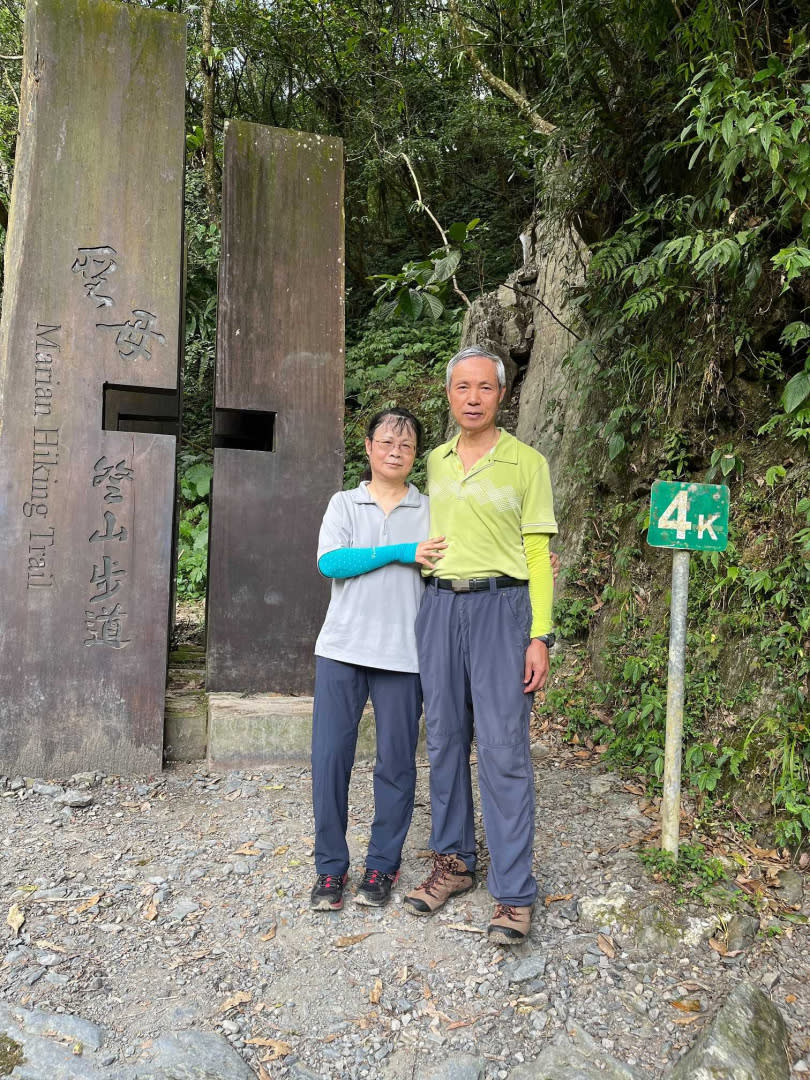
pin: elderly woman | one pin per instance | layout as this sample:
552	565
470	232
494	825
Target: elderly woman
371	545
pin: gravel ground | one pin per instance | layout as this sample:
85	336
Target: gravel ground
181	902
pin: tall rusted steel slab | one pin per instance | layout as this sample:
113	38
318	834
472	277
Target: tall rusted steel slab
92	301
278	416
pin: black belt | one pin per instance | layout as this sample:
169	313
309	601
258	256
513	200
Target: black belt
477	584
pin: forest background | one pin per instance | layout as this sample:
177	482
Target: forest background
674	137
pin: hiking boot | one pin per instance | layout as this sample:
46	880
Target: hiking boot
375	888
327	892
509	925
449	877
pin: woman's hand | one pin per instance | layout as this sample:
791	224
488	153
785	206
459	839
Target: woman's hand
430	551
555	564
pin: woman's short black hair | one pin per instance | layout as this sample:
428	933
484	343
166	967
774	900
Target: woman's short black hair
401	420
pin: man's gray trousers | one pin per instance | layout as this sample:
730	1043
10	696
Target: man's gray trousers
472	649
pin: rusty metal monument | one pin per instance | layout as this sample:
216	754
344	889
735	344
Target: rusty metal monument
278	407
89	358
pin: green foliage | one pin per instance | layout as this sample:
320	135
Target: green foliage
424	288
203	243
747	680
572	617
724	464
192	556
693	870
396	364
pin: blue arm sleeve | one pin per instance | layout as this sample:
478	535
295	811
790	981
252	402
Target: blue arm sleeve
351	562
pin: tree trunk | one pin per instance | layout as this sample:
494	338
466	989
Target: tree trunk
209	87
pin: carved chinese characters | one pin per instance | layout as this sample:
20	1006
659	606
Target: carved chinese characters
91	319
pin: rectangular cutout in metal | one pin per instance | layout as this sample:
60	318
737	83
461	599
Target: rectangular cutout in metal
136	408
244	429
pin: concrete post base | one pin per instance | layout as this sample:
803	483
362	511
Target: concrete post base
256	731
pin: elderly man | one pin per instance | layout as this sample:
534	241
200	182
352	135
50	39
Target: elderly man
483	636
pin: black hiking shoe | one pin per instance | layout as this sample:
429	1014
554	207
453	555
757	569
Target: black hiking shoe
327	892
375	888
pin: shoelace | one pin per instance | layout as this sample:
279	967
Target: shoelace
441	868
329	881
505	911
373	876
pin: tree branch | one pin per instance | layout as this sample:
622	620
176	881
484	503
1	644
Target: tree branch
442	233
538	124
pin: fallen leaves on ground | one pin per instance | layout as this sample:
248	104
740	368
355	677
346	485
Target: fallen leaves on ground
247	849
606	945
241	997
634	789
15	918
90	902
557	897
271	933
467	928
721	948
376	992
690	1005
188	958
43	944
277	1048
352	939
363	1022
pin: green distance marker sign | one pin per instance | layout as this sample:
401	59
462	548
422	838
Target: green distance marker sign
692	516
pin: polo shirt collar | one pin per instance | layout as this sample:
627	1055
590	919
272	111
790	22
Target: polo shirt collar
360	495
505	449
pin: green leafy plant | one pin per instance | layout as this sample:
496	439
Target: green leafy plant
423	288
725	463
396	364
192	555
693	869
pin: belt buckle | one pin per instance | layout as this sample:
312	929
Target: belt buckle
460	585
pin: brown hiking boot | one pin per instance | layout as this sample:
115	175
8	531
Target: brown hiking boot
449	877
509	925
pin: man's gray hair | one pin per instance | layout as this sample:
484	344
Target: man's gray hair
477	350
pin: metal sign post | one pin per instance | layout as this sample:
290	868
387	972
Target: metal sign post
685	517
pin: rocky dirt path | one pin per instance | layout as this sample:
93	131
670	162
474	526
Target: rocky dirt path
178	904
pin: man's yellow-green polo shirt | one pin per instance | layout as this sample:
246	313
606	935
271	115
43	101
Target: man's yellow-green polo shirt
485	513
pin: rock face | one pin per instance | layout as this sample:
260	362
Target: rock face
575	1055
746	1041
531	327
37	1045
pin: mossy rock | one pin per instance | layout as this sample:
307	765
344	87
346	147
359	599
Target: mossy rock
187	654
11	1055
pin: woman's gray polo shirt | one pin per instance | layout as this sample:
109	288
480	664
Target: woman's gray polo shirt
371	616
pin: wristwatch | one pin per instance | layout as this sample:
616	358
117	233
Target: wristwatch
547	639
